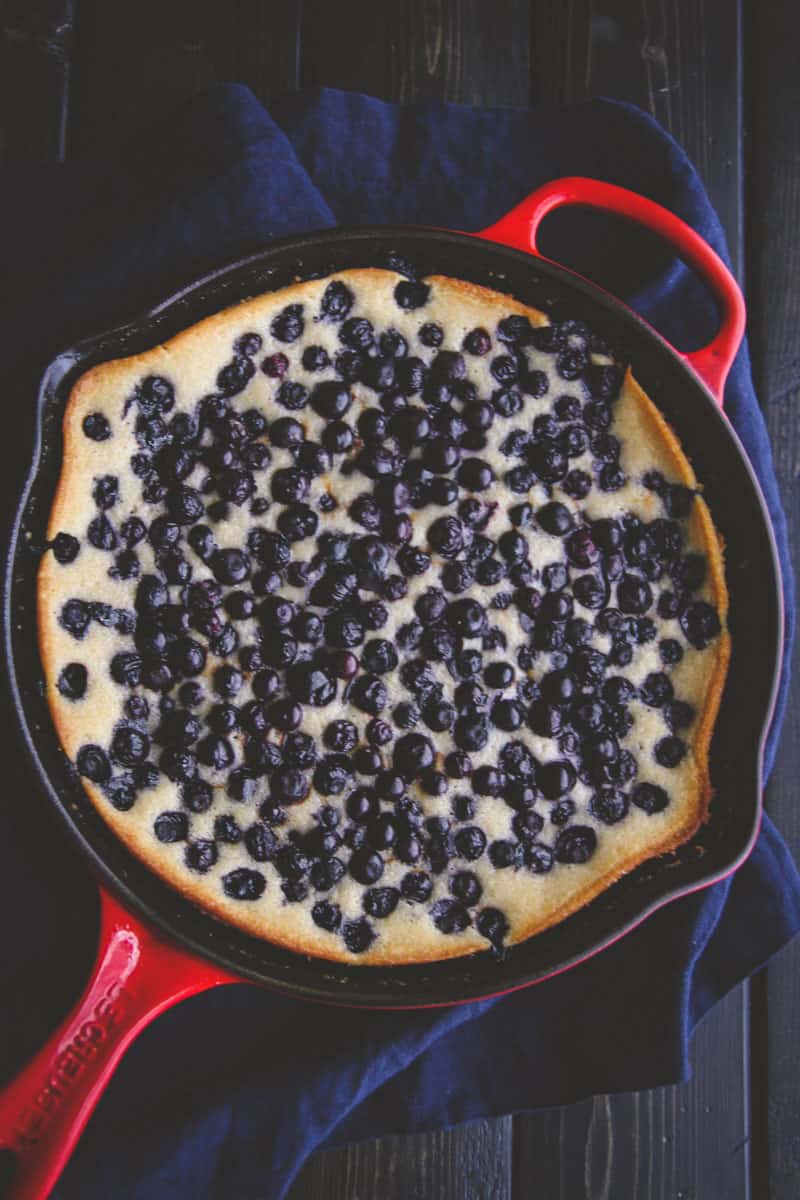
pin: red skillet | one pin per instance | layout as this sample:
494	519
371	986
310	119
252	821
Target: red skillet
138	972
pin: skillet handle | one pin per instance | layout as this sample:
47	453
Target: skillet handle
136	976
519	228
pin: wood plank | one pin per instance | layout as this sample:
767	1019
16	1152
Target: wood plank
679	60
685	1141
469	1163
135	61
448	50
35	55
774	294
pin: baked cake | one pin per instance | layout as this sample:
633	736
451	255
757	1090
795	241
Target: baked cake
383	617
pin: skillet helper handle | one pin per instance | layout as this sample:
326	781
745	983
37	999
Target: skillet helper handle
135	977
520	226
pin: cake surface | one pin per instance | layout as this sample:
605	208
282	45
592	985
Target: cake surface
382	617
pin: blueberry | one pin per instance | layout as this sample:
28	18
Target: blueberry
555	778
413	754
498	675
440	455
288	325
366	866
678	715
438	714
477	342
650	798
92	762
185	504
466	887
260	842
235	375
72	681
467	618
575	844
577	484
379	733
590	591
443	492
200	855
413	561
634	595
337	300
670	751
519	479
100	533
504	854
215	752
410	294
488	781
504	368
358	935
700	624
446	536
130	745
555	519
292	396
609	805
171	827
571	363
450	916
470	842
471	733
197	795
244	884
507	715
331	400
379	656
105	492
362	805
656	690
327	916
311	684
96	427
475	475
75	616
561	812
288	785
492	924
297	522
380	902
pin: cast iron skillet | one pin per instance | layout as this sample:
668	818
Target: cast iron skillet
156	947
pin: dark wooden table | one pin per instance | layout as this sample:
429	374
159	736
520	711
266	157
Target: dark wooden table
721	75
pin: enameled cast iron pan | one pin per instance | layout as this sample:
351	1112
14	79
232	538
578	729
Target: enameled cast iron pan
156	947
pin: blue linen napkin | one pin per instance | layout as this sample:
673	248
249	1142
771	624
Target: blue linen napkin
228	1094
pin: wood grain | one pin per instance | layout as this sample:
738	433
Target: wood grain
420	49
469	1163
36	38
687	1142
135	61
773	255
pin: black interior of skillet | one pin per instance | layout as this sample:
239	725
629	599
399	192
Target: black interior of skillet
755	622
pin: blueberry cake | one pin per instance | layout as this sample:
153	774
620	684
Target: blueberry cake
383	616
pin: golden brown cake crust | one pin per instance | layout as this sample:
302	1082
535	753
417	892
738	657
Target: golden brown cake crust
192	359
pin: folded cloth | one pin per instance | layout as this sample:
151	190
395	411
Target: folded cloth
228	1094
